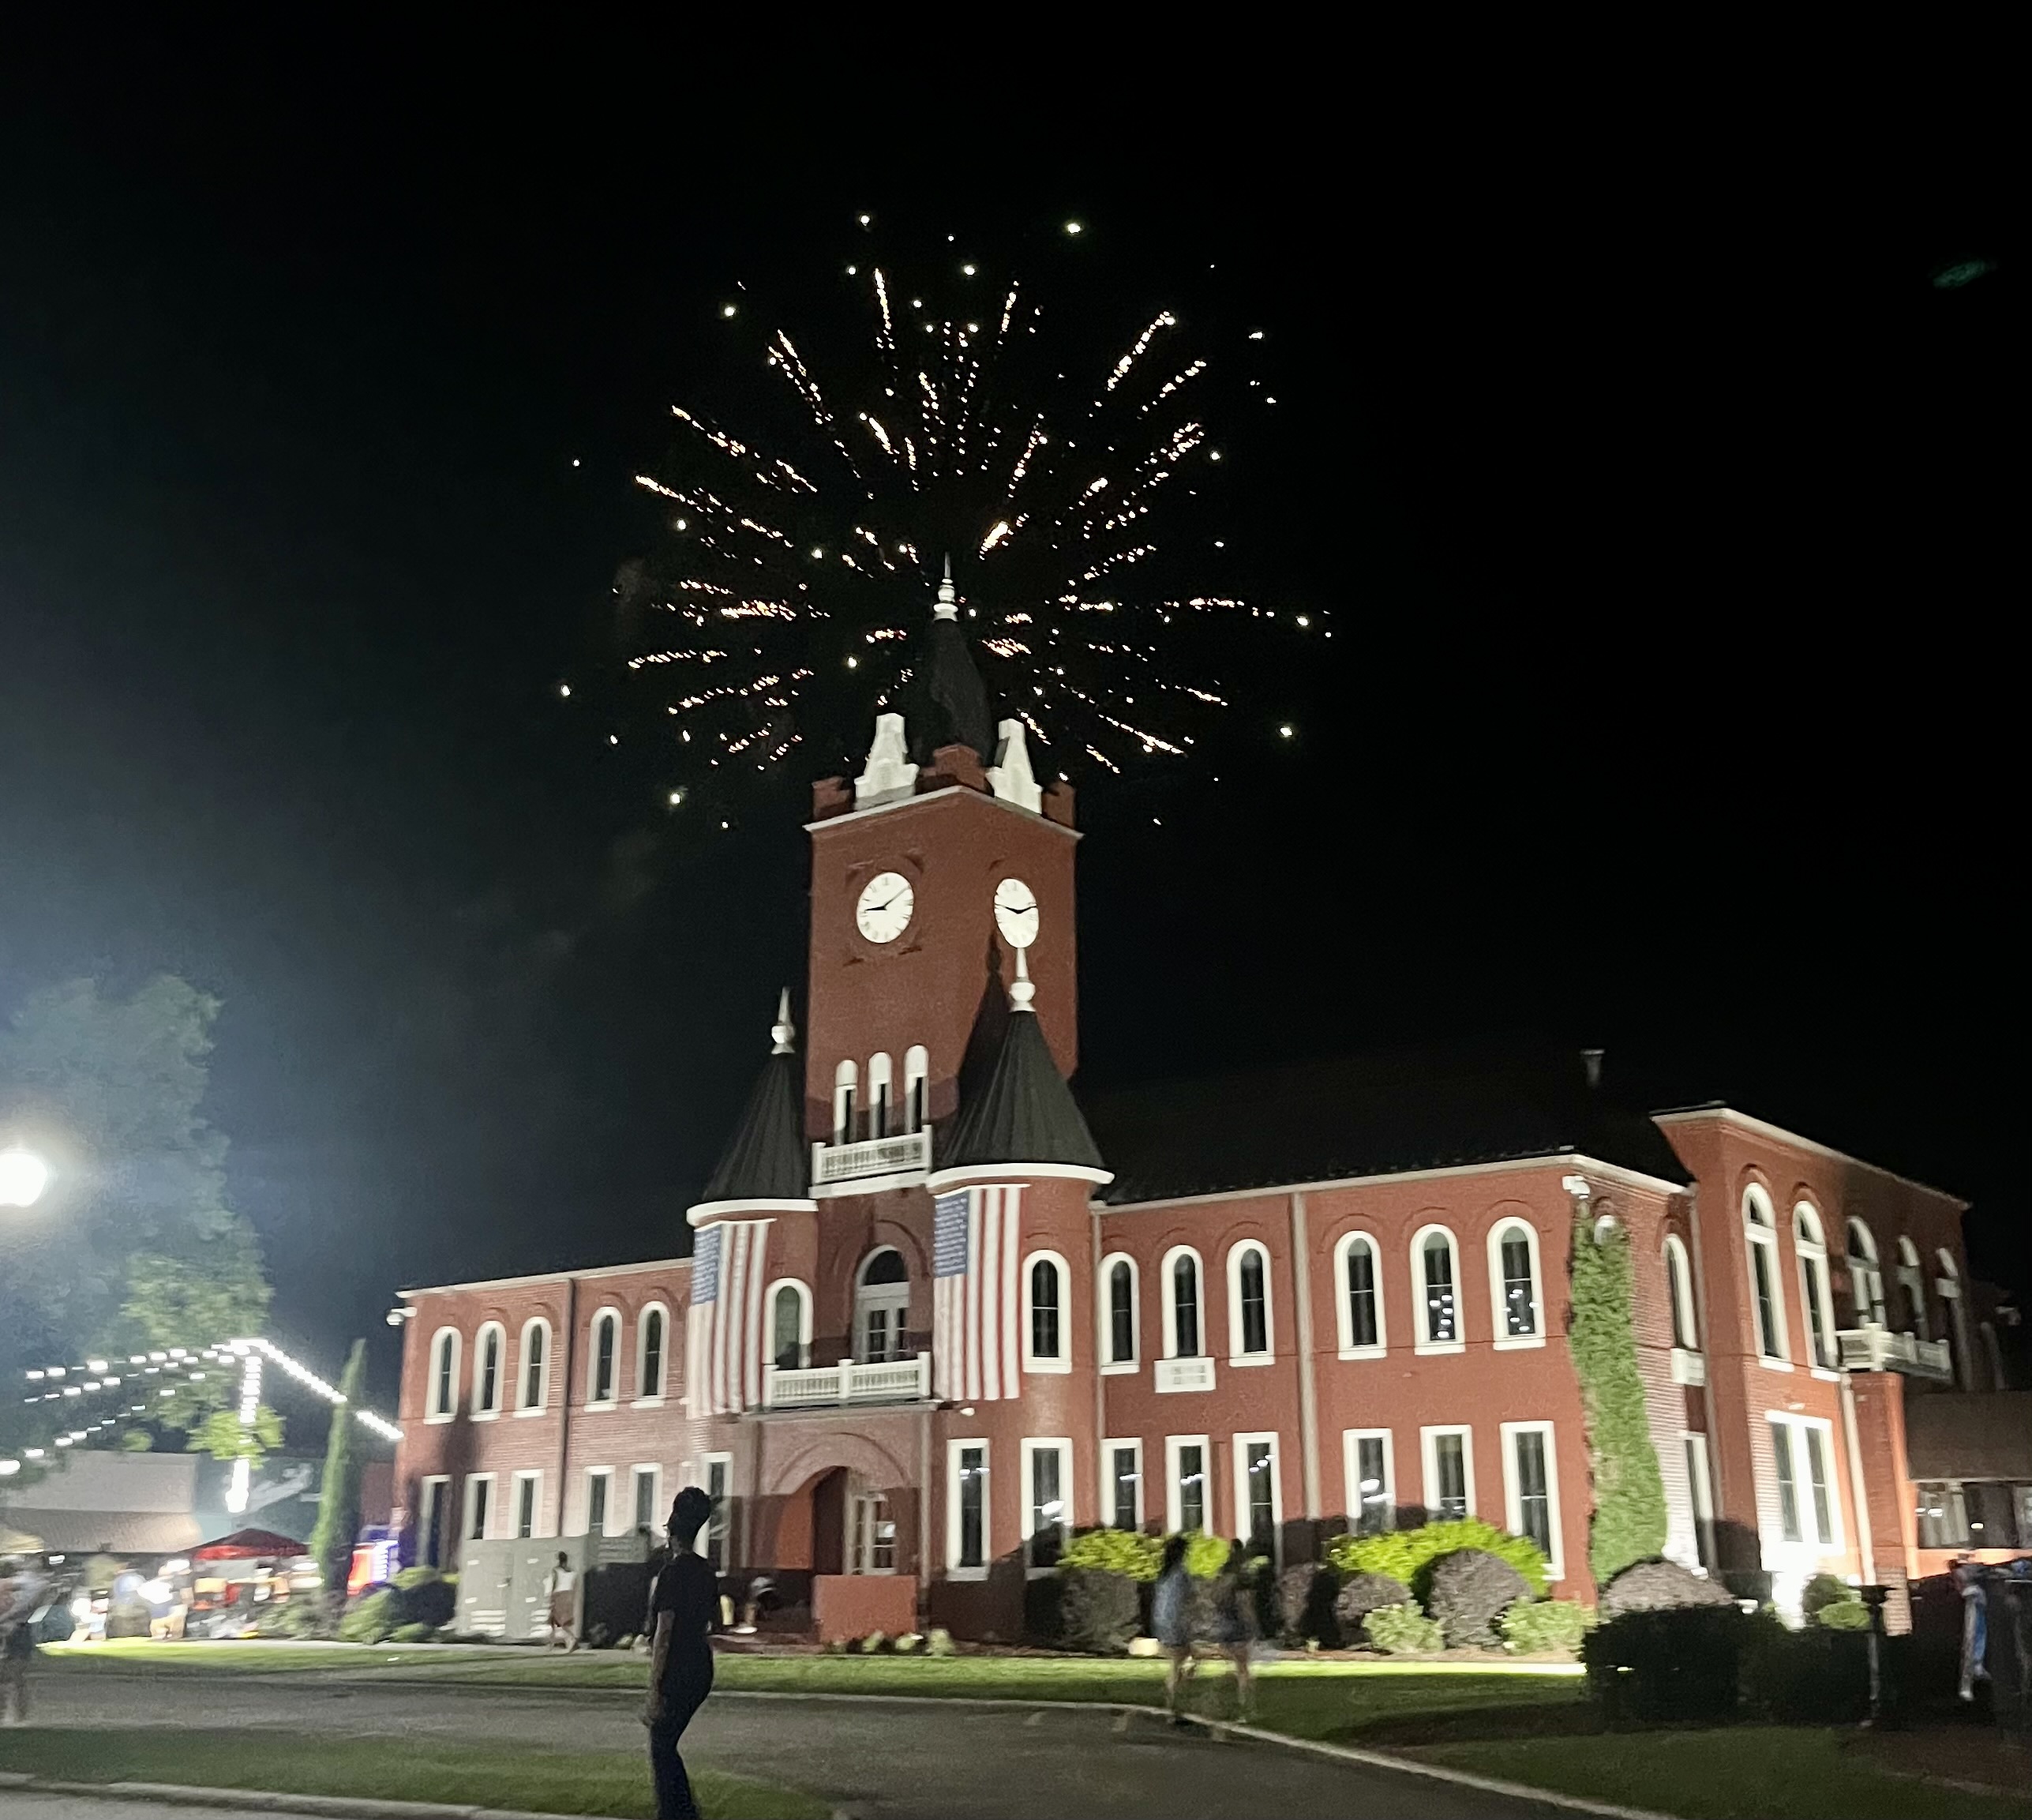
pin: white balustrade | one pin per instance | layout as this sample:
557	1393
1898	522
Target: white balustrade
1875	1348
833	1386
909	1153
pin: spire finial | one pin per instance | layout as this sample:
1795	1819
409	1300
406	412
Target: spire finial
948	606
1021	991
782	1029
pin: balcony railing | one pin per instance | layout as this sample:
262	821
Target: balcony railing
833	1386
1874	1349
908	1154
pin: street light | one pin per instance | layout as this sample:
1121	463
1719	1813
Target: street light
23	1176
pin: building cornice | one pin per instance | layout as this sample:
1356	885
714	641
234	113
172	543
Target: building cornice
548	1276
706	1212
908	802
969	1173
1778	1134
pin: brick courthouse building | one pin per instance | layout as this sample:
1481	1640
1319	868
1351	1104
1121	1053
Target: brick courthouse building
934	1316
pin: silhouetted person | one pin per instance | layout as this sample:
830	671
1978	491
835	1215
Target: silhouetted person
1170	1622
683	1610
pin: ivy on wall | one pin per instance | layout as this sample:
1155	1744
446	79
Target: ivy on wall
1629	1523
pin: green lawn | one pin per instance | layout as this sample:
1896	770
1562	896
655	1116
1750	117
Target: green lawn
497	1775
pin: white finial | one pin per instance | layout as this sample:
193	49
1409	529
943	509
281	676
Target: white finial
948	606
782	1029
1021	991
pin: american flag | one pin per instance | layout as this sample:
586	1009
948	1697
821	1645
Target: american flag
977	1239
723	1339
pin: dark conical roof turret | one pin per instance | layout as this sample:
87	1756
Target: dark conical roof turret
765	1159
951	705
1024	1112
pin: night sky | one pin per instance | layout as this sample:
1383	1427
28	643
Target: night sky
1659	499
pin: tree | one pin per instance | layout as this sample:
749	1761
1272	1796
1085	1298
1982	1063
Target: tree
1629	1523
339	1507
133	1249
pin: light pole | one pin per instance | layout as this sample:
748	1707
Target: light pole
23	1176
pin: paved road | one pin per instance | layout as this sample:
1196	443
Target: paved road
890	1759
17	1806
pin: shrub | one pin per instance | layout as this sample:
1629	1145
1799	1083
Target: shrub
1407	1555
1098	1612
1470	1591
1679	1663
873	1642
1844	1614
1404	1630
1814	1676
372	1616
939	1641
1362	1593
1206	1556
427	1596
1628	1523
1832	1601
413	1634
1538	1626
1305	1602
1125	1552
1659	1586
909	1643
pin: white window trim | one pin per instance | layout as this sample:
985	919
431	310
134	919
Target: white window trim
1513	1490
803	1293
1807	1252
881	1092
483	1412
1108	1450
1506	1342
1029	1448
1693	1449
1351	1468
1765	1233
917	1073
846	1086
724	1515
1168	1292
1421	1305
1113	1367
1680	1299
655	1469
431	1412
531	1476
1174	1505
465	1514
651	1399
868	1297
1240	1454
953	1450
457	1538
1236	1252
1429	1459
1344	1321
1865	1266
1063	1364
585	1513
1802	1483
612	1401
542	1372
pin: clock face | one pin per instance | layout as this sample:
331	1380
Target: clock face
883	912
1016	913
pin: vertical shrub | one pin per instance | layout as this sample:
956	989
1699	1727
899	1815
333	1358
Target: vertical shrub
1629	1523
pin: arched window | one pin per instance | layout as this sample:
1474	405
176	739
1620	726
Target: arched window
1761	1233
1248	1303
1118	1311
441	1395
488	1343
1358	1271
846	1078
651	1342
790	1326
881	1305
1954	1320
1912	1282
1810	1246
916	1073
1865	1276
1679	1295
1513	1281
1044	1347
1436	1267
1182	1303
881	1095
600	1386
535	1363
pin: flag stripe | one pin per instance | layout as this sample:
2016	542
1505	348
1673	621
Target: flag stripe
751	1348
1012	1302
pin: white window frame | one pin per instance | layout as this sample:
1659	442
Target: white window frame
1803	1482
586	1504
955	1450
1505	1341
1679	1293
522	1407
1343	1319
803	1290
1063	1364
482	1410
611	1400
432	1412
1108	1450
655	1469
1030	1447
1240	1456
1428	1449
1764	1233
1700	1494
1955	1320
466	1533
1865	1265
1236	1252
647	1399
881	1095
1513	1490
916	1086
722	1515
1174	1503
1815	1287
531	1476
1170	1307
426	1542
894	1298
1422	1341
1111	1366
846	1094
1912	1279
1351	1468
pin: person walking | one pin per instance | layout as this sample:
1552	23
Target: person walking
20	1611
683	1610
1171	1623
561	1598
1234	1626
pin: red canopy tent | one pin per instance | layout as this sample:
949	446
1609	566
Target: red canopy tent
249	1545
